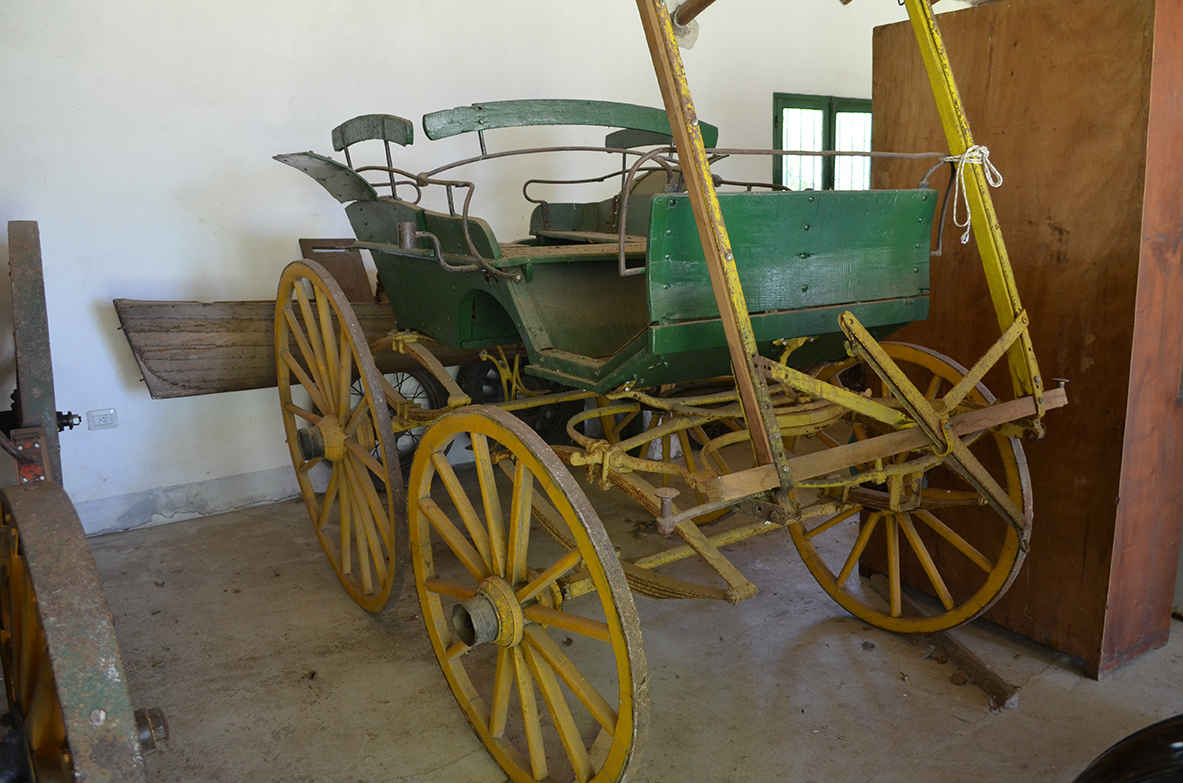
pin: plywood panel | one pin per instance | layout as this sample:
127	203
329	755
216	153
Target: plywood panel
1058	90
1145	546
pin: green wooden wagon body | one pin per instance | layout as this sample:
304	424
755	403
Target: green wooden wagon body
803	258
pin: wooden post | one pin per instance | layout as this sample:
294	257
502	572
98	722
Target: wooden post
720	261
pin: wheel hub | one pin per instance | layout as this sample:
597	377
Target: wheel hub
326	440
492	615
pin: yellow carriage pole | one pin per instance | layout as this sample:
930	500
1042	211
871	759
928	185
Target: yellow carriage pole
733	309
987	233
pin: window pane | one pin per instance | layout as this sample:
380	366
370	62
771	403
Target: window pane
802	131
852	133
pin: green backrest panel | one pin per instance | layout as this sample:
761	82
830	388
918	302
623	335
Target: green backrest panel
383	127
377	221
793	250
513	114
342	182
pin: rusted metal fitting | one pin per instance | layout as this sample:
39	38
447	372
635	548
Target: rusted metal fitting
665	522
151	728
492	615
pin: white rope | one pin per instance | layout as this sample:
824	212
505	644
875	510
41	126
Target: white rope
979	155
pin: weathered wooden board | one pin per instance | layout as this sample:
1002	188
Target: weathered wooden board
190	348
1060	91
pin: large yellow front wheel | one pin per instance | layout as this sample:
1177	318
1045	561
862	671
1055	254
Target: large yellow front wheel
489	589
945	541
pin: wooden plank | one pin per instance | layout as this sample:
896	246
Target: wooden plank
190	348
344	262
820	463
512	253
1150	502
585	236
720	261
1074	234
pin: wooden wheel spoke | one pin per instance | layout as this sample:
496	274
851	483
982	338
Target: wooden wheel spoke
530	715
346	529
310	324
890	530
502	681
573	623
309	464
959	543
934	386
476	528
469	557
604	714
345	373
322	517
828	439
309	385
926	561
564	722
833	521
332	360
491	501
520	514
860	544
314	361
450	589
303	413
355	416
543	580
367	459
366	519
382	517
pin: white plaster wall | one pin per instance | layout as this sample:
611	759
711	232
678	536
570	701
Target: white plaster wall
140	135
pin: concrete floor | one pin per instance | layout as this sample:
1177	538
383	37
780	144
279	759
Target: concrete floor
236	627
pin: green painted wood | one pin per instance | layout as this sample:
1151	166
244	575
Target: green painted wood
512	114
692	350
794	250
382	127
377	221
627	138
342	182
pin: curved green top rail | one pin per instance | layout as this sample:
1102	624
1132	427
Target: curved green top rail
511	114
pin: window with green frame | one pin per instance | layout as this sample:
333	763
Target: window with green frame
816	123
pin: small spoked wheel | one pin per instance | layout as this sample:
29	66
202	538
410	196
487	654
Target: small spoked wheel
335	415
498	622
944	541
420	388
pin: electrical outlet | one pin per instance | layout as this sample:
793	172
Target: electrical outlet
102	419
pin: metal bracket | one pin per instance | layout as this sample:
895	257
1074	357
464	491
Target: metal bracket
32	466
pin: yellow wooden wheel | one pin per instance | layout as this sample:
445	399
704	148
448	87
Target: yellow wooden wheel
945	541
69	714
488	587
335	416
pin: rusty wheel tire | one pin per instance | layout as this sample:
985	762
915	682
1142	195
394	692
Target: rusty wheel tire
63	675
335	413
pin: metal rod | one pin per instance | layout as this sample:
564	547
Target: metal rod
685	13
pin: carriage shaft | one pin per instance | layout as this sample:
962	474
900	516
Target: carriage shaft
761	478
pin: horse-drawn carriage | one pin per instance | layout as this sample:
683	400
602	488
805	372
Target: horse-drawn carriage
716	356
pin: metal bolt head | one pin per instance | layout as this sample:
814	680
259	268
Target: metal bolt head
98	716
20	447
